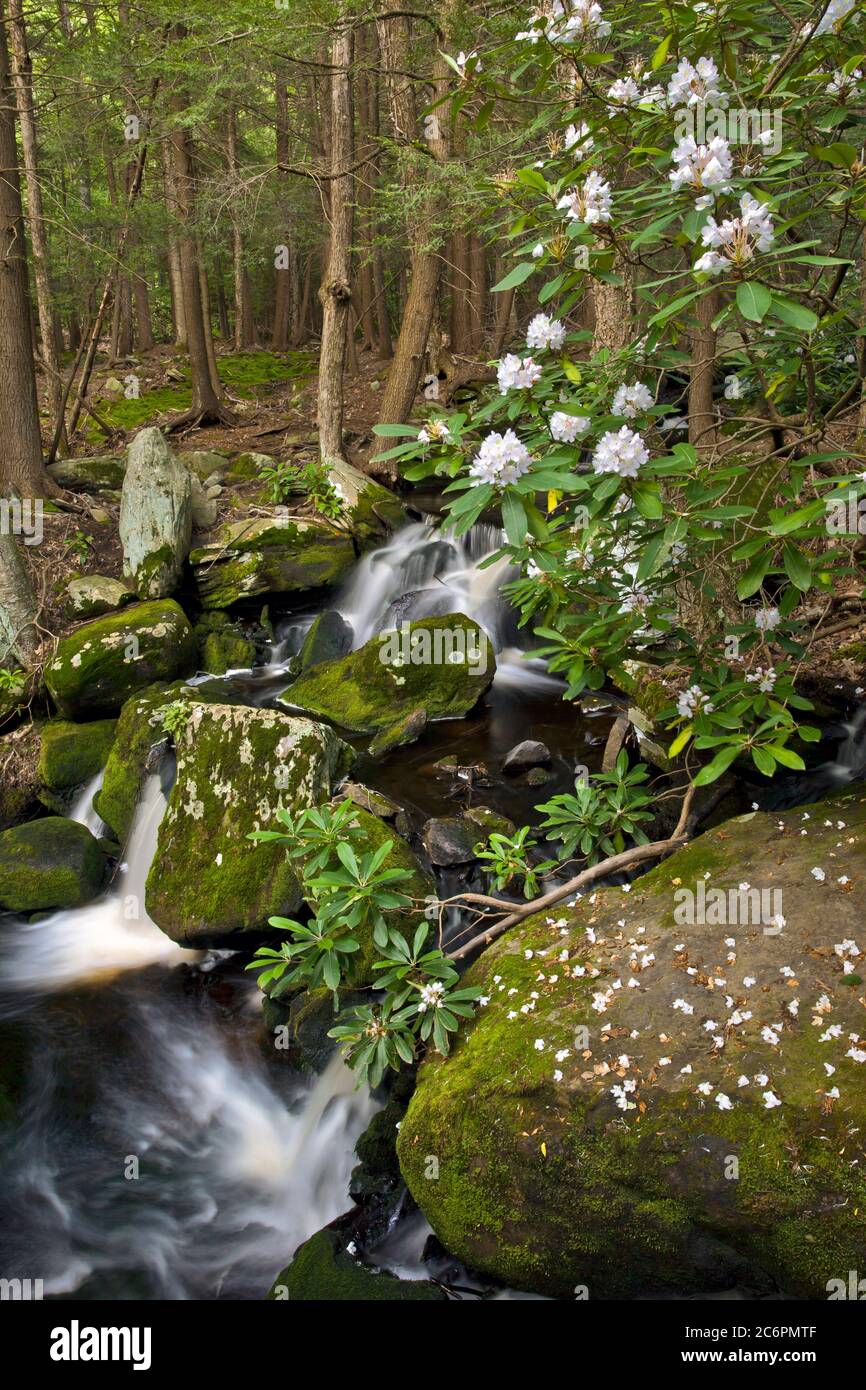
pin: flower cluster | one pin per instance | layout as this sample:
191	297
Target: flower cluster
630	401
696	84
590	203
545	332
501	459
566	21
704	167
514	373
693	701
566	428
734	241
621	451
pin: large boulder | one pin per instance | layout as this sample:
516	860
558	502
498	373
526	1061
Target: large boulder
69	755
441	666
329	637
99	665
236	766
276	555
370	510
155	516
50	863
648	1105
92	475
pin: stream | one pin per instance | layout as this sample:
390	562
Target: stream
163	1152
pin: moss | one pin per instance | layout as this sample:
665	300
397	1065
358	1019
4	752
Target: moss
270	556
209	883
50	863
323	1271
855	651
547	1184
99	665
328	638
70	754
227	651
91	475
366	691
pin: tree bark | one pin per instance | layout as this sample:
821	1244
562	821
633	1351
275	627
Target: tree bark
175	276
19	638
702	415
21	466
282	274
335	292
245	336
425	262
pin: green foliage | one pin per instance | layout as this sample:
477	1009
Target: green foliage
11	679
598	817
506	857
174	718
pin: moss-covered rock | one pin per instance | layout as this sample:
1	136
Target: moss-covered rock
95	594
69	755
279	555
323	1271
439	665
647	1152
99	665
155	516
236	766
91	475
328	638
370	510
50	863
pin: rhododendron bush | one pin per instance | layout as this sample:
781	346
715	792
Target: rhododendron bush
665	475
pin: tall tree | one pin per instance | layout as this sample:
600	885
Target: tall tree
335	291
21	466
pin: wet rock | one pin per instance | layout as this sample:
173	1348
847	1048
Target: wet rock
155	516
50	863
537	777
69	755
95	594
525	755
209	884
323	1269
449	841
329	637
385	680
489	822
92	475
99	665
275	555
223	645
659	1160
405	730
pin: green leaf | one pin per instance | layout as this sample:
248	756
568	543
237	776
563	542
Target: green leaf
794	314
764	761
751	581
515	277
840	154
788	758
514	517
797	567
753	300
721	762
388	430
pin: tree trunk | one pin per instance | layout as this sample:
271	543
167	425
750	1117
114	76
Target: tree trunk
702	416
19	638
335	293
244	328
175	276
22	78
21	467
282	273
425	264
614	309
477	291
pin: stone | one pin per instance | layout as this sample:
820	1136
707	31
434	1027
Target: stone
209	884
449	841
203	462
70	755
329	637
277	555
204	507
155	516
488	822
375	687
397	735
322	1270
370	509
48	864
88	475
99	665
95	594
549	1182
525	755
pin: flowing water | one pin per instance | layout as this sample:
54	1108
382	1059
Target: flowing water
164	1149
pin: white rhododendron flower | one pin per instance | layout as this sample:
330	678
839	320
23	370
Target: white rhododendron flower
566	428
514	373
578	137
693	701
623	92
545	332
590	203
501	459
705	167
696	84
566	21
767	618
836	11
621	451
435	431
463	58
431	996
765	680
736	240
842	84
630	401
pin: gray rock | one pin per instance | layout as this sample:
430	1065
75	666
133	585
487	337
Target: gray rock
204	506
96	594
155	515
92	476
525	755
450	841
